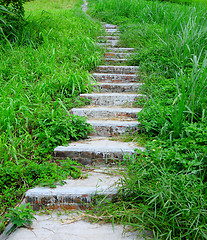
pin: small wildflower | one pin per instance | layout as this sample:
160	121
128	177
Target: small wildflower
153	150
153	140
159	147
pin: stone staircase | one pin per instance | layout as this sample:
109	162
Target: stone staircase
111	113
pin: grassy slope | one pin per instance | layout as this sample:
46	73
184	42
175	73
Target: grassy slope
165	187
40	78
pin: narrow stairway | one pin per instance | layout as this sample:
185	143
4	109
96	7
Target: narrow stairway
111	113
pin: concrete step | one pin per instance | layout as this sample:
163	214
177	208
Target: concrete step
67	225
112	43
109	37
112	31
106	112
109	26
96	150
120	49
117	69
106	45
112	99
117	55
116	60
116	87
109	128
75	194
115	78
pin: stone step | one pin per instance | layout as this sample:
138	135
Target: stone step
106	112
116	60
109	26
117	55
112	43
96	150
113	77
116	87
112	99
106	45
120	49
109	128
117	70
61	225
75	194
112	31
109	37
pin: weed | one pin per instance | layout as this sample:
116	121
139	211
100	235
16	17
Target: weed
20	217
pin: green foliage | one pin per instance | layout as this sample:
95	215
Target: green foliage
17	178
164	189
14	5
11	19
172	34
40	80
20	216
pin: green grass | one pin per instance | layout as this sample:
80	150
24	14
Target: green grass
42	72
164	189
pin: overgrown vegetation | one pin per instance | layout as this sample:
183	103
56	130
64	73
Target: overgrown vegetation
164	189
42	73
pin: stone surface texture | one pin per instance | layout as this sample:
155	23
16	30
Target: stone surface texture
71	227
75	193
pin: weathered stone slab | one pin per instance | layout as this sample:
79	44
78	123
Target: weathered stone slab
117	54
112	99
117	70
106	112
120	49
110	128
109	37
114	77
71	226
96	150
75	194
116	87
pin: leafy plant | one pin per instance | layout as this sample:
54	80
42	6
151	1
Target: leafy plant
20	216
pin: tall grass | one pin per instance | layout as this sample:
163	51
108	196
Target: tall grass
164	189
40	80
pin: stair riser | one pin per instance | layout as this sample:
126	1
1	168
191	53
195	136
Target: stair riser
109	26
110	131
121	50
114	61
116	89
115	78
109	43
117	55
117	70
112	31
62	202
111	101
104	113
92	158
109	37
